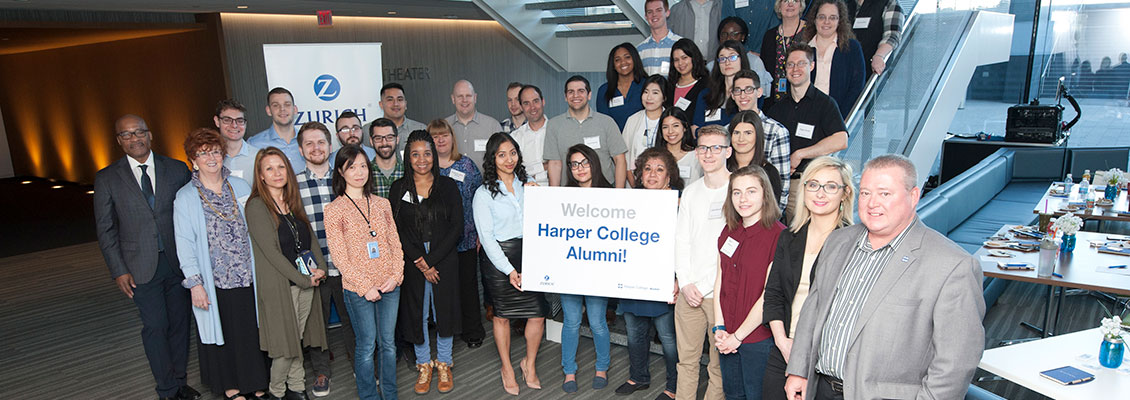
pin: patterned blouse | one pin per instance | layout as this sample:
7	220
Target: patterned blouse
471	181
229	246
779	66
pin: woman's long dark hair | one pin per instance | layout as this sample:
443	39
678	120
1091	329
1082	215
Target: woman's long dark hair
688	143
432	209
662	82
598	179
844	33
698	64
675	181
346	156
490	170
718	95
748	117
610	74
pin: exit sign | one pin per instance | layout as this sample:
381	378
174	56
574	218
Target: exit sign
325	18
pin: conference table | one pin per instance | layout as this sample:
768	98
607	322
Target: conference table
1085	268
1056	203
1022	364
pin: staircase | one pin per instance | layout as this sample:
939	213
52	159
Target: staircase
573	36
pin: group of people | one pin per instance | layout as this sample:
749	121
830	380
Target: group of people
264	235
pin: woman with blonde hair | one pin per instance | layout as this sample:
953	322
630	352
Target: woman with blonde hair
827	199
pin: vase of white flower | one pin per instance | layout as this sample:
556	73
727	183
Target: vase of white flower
1068	243
1111	192
1112	347
1067	226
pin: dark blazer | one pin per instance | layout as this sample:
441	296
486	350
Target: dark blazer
780	289
127	228
848	75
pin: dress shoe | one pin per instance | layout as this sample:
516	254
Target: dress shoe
474	343
187	393
629	388
446	379
424	379
292	395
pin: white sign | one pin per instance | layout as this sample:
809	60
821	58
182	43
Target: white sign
601	242
327	79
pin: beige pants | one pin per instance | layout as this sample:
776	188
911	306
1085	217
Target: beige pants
790	209
289	372
691	324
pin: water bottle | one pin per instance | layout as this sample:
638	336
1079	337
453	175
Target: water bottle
1067	183
1048	251
1084	187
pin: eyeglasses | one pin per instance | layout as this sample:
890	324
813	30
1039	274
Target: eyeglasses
831	18
790	1
354	128
213	153
386	138
829	188
730	59
792	65
229	120
715	149
140	133
578	164
732	35
737	91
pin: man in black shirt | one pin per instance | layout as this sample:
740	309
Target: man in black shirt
812	118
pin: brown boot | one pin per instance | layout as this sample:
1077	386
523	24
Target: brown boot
424	381
446	379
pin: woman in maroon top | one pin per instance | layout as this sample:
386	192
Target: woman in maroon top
746	247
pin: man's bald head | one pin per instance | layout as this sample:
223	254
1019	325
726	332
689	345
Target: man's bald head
464	98
127	119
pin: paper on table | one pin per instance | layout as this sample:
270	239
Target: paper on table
1117	271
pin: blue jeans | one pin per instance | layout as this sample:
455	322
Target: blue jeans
443	344
374	325
744	371
571	332
639	345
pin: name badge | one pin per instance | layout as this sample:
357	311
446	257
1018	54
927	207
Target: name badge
237	174
683	103
741	3
804	130
684	171
715	210
456	175
593	142
407	197
664	67
374	251
480	145
782	85
616	101
861	23
714	115
729	247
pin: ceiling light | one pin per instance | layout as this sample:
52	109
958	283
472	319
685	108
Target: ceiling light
57	187
451	16
241	7
89	192
25	182
392	13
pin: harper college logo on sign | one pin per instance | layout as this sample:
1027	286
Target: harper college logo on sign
326	87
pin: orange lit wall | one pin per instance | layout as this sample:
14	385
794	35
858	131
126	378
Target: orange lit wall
60	105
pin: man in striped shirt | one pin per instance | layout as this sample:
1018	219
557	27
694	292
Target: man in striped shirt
655	51
895	308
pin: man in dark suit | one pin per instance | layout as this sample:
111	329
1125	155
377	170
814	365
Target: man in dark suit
133	211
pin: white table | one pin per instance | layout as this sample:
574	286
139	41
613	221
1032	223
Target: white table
1022	364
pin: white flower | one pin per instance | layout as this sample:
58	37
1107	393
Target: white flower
1111	327
1068	224
1115	176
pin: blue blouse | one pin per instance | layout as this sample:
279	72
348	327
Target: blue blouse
633	102
471	181
498	218
717	117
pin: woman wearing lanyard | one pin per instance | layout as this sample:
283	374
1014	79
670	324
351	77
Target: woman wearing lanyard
654	169
774	43
828	199
215	256
288	269
459	167
675	131
619	97
715	106
498	218
840	71
688	76
429	218
746	248
642	128
747	137
366	249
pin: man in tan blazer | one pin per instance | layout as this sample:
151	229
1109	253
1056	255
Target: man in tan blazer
895	310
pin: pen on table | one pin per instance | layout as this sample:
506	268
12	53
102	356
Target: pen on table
1117	266
1057	275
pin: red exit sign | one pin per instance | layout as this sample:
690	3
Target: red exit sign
325	18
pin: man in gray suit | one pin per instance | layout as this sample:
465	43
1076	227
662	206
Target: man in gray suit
895	309
133	211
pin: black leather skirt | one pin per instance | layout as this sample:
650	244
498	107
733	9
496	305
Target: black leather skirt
510	303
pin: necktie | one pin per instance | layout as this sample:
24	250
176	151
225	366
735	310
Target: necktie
147	187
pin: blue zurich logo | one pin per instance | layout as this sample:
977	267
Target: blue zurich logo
326	87
547	278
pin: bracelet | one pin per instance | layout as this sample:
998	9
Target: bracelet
716	328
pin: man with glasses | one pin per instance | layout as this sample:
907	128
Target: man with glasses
747	89
281	134
349	127
230	120
394	105
581	124
133	215
696	262
387	166
812	118
471	128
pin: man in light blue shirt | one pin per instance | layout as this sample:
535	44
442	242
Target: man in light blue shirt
655	51
759	15
282	132
349	127
239	156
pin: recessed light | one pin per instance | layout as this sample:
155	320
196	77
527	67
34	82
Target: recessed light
25	182
392	13
89	192
57	187
241	7
451	16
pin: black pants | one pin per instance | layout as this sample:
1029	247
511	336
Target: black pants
469	296
773	386
332	293
163	305
824	390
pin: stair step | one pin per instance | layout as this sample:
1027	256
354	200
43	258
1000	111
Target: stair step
577	19
597	32
561	5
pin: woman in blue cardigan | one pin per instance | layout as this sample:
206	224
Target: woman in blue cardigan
215	256
839	71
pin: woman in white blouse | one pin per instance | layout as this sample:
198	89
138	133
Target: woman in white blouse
642	128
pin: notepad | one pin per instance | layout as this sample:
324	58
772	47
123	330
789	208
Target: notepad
1122	251
1068	375
1012	266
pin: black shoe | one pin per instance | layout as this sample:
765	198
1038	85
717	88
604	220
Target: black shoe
292	395
628	388
187	393
474	343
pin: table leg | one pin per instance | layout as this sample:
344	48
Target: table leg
1058	309
1045	331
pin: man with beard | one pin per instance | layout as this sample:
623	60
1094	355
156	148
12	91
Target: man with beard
394	105
387	167
349	132
314	186
514	105
232	124
281	133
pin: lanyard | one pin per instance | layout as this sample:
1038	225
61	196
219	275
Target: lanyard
372	233
289	224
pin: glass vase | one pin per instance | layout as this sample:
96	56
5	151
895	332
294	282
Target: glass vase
1110	353
1068	243
1111	192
